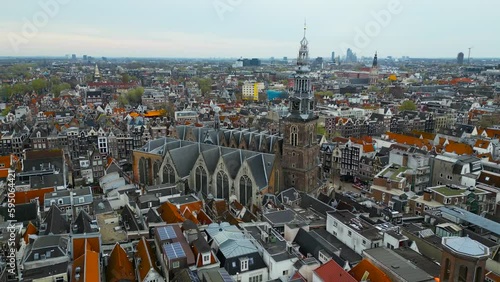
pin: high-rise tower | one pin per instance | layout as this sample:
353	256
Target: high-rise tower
300	147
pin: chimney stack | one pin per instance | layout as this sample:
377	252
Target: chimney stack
427	195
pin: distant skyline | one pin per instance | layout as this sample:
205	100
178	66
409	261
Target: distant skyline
249	28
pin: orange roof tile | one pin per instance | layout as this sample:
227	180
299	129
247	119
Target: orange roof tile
119	267
30	230
492	133
493	276
81	245
23	197
374	273
89	267
483	144
332	272
459	148
368	148
147	256
410	140
203	218
169	213
189	215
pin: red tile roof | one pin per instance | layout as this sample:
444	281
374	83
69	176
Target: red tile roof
483	144
458	148
332	272
410	140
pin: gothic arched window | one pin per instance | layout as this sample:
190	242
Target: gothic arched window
245	190
156	170
201	181
222	185
168	174
294	136
462	273
143	171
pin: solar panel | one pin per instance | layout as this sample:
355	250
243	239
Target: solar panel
174	250
166	233
225	276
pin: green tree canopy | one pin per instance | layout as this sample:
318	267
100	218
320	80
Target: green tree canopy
133	97
39	84
58	88
205	85
6	111
324	93
408	105
125	78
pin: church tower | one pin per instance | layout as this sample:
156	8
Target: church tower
374	71
300	147
97	74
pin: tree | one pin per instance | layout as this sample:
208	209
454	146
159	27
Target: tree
488	120
205	85
133	97
57	89
5	93
125	78
408	105
6	111
39	84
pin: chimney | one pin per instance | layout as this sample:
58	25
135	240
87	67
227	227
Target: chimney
427	195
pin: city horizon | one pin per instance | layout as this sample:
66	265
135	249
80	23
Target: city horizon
228	29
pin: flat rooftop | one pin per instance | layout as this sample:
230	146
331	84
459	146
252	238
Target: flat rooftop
391	261
107	230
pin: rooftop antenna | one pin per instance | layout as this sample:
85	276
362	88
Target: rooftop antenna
468	59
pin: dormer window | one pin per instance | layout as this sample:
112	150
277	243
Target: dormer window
244	264
38	134
206	259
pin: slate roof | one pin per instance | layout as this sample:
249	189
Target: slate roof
55	223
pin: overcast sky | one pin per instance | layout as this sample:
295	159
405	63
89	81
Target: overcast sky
249	28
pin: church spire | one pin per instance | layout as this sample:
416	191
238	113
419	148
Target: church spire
303	58
375	61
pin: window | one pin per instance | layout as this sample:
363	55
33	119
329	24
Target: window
294	136
462	273
364	242
206	259
285	272
244	264
256	278
222	185
168	174
175	264
447	201
349	233
245	190
81	200
201	180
